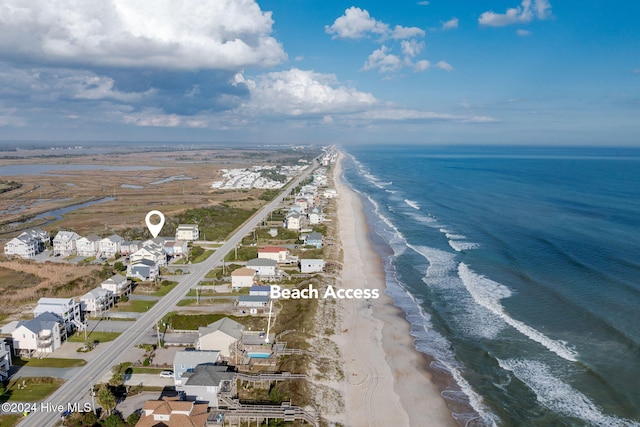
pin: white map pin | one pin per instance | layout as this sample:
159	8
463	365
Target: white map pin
154	228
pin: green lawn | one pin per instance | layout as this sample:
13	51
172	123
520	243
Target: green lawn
164	289
50	362
145	370
94	336
10	420
204	256
34	389
137	306
194	321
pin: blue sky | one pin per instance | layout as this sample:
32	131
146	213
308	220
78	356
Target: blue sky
295	71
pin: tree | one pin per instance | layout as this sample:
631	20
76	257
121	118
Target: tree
119	266
133	419
106	399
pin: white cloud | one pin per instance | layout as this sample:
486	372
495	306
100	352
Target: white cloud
421	66
356	23
411	48
298	92
423	3
209	34
444	66
450	24
383	61
523	33
525	12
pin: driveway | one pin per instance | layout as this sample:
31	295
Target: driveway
135	403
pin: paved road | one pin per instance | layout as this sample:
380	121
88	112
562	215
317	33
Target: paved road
75	389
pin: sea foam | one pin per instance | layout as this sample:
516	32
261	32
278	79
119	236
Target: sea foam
412	203
488	294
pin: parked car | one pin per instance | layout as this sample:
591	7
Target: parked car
166	374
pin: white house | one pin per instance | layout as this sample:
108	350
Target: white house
311	265
264	267
186	361
176	248
152	252
187	232
330	193
42	334
276	253
97	300
65	308
64	244
302	202
130	246
292	221
206	382
242	277
253	301
143	270
220	336
88	246
109	246
23	246
117	284
5	359
263	291
315	216
313	239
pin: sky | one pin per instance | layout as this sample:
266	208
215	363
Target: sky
533	72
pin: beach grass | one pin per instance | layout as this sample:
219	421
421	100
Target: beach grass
94	336
10	420
136	306
30	389
191	322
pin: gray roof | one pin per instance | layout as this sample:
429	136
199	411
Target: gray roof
46	320
314	236
265	288
115	279
262	262
311	261
93	237
195	358
253	298
226	325
209	375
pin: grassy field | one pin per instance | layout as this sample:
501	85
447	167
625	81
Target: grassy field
245	253
35	389
94	336
194	321
155	290
50	362
10	420
136	306
146	370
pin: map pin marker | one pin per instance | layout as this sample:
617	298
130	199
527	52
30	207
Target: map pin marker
154	228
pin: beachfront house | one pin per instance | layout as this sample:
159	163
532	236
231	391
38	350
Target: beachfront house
253	301
243	278
173	413
188	232
109	246
23	246
220	335
117	284
263	290
313	239
5	359
264	268
330	193
42	334
66	308
64	244
143	270
315	216
206	382
186	361
311	265
97	301
292	221
276	253
88	246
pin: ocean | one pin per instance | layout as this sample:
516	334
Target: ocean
518	269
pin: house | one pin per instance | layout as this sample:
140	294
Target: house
23	246
313	239
302	202
311	265
109	246
172	413
292	221
153	252
187	232
117	284
315	216
88	246
220	336
130	246
252	301
276	253
242	277
64	244
264	268
260	290
41	236
207	381
42	334
330	193
5	359
176	248
97	300
65	308
143	270
186	361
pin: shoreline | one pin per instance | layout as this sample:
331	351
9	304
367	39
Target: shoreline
380	360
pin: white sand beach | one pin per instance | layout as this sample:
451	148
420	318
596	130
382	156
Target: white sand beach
387	383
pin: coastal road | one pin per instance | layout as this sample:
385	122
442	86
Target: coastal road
76	388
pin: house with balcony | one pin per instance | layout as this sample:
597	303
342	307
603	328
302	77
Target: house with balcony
276	253
65	308
171	412
117	284
23	246
97	301
88	246
313	239
130	246
143	269
43	334
219	335
186	361
188	232
266	269
109	246
5	359
207	381
64	244
243	278
311	265
153	252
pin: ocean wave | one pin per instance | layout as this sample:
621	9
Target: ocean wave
412	203
559	396
488	294
455	236
395	237
460	246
